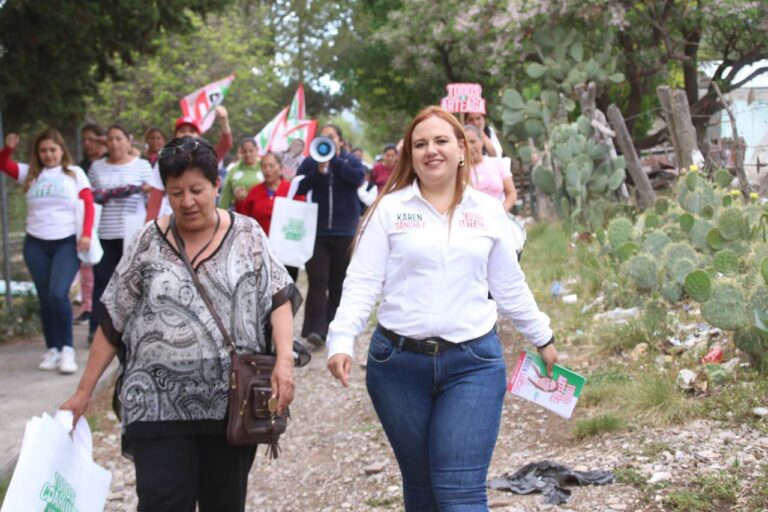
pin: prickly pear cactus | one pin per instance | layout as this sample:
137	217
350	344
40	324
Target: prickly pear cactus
726	262
754	343
726	308
695	200
733	224
672	292
655	243
698	285
619	232
698	234
679	251
642	269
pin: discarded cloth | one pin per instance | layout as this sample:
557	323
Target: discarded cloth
549	478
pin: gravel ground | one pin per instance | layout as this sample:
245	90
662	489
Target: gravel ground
335	455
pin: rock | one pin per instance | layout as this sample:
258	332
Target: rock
376	467
639	351
660	476
760	411
686	378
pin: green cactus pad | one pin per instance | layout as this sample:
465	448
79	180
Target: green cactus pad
661	206
722	178
678	270
544	179
619	232
727	201
600	235
694	201
698	285
679	251
726	262
642	269
764	269
698	234
627	250
708	212
651	221
733	224
726	308
691	180
714	240
755	344
686	221
655	243
672	292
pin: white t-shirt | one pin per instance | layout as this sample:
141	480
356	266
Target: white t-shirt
52	201
433	277
108	176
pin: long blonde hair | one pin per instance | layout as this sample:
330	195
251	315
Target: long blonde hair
36	166
404	174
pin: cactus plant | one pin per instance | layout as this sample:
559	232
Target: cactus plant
698	285
715	240
726	262
672	292
655	243
661	206
723	178
754	343
698	234
686	221
619	232
642	269
544	179
678	270
733	224
694	201
764	268
726	308
679	251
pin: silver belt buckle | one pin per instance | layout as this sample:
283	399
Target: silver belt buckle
435	345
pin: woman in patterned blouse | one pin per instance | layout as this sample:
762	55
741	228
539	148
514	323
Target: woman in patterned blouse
172	387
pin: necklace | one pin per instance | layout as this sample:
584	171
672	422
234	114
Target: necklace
207	244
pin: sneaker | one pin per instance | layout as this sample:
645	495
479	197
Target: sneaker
67	363
315	339
50	360
84	318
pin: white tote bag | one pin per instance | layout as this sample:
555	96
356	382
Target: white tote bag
292	231
55	471
134	222
94	254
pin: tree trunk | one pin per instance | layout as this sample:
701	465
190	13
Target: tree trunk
684	129
665	98
646	197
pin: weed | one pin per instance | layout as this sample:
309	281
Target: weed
597	425
23	319
708	493
656	400
653	448
631	476
758	491
734	402
381	502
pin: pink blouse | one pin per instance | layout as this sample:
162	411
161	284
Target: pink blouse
489	176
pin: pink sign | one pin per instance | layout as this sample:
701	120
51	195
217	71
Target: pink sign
464	98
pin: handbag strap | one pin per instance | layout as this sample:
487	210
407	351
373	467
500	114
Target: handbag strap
203	294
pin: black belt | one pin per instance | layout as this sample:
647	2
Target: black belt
429	346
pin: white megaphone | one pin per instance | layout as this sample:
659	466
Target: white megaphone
322	149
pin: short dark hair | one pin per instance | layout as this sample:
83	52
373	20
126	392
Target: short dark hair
335	128
95	128
174	160
121	128
387	147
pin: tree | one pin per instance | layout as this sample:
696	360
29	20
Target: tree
54	52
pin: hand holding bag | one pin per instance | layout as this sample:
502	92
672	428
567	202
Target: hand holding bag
252	417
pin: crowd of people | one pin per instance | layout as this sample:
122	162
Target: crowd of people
423	231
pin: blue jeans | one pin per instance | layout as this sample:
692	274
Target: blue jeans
441	415
53	265
102	273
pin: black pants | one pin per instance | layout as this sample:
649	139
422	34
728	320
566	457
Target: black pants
325	273
175	473
102	273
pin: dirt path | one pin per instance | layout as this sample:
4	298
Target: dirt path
335	455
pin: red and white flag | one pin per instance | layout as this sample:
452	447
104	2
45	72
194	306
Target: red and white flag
201	103
290	124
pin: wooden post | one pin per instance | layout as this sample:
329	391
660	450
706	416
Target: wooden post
686	133
646	197
737	145
665	98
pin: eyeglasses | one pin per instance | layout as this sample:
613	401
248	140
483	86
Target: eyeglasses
186	147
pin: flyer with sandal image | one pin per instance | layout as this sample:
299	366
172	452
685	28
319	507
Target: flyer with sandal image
559	394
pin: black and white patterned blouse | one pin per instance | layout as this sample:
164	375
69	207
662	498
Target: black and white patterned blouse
174	359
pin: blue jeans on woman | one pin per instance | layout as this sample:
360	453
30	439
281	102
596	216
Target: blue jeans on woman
53	265
441	415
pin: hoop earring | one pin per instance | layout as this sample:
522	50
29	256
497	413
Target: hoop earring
461	162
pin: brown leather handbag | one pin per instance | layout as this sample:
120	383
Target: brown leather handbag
252	417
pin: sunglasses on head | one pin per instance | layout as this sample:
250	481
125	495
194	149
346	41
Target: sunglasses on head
185	147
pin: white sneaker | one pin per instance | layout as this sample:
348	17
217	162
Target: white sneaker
50	360
67	364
